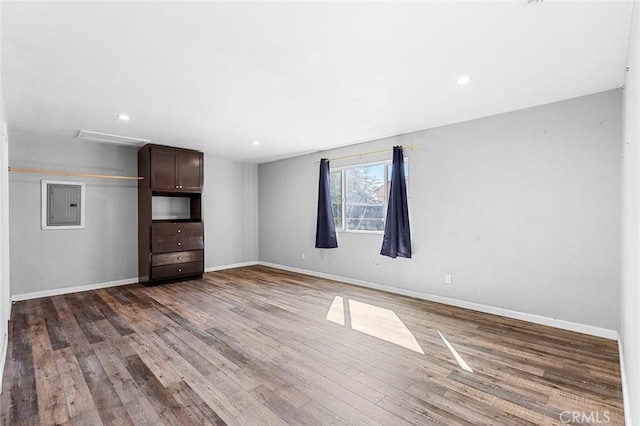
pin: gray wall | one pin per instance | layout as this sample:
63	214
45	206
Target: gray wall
630	287
106	250
231	212
521	208
5	302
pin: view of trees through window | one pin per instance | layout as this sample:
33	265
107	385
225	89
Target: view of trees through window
336	198
359	197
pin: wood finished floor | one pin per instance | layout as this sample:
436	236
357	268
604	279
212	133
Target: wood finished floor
252	346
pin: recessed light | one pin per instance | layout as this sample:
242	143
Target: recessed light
463	79
123	117
256	143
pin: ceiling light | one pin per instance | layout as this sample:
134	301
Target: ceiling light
123	117
256	143
463	79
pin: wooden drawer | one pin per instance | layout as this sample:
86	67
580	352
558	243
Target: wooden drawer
168	245
169	271
177	257
177	230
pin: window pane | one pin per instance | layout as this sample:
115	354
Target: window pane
365	198
336	198
390	170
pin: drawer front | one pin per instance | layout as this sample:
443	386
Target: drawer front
177	230
168	271
167	245
177	257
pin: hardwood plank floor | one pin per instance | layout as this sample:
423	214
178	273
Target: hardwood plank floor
255	345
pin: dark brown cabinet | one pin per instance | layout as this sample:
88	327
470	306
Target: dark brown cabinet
170	249
176	169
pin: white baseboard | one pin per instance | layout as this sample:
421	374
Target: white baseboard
5	348
626	399
537	319
231	266
67	290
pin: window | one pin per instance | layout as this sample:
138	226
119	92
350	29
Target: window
336	198
359	196
62	204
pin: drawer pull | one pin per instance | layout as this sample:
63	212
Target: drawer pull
178	257
179	244
178	231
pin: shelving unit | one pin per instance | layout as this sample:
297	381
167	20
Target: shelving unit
170	249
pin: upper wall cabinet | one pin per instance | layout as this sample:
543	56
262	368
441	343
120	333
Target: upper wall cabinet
176	170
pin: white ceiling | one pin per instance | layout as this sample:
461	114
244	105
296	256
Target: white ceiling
298	77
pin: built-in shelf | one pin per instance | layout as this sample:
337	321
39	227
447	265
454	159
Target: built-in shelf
170	227
176	221
170	208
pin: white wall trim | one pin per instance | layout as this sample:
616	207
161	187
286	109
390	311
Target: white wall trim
67	290
231	266
75	289
3	360
626	398
537	319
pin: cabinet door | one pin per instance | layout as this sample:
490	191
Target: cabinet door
189	165
163	169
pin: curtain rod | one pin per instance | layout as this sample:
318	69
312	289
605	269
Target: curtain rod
54	172
362	154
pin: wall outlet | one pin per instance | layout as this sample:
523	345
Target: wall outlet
447	278
301	256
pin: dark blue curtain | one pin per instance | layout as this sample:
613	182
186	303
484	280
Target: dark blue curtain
397	237
325	227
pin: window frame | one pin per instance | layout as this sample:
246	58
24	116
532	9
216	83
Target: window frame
343	200
45	203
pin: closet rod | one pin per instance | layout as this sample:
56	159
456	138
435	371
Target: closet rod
362	154
88	175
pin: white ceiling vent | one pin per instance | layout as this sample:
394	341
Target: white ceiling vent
108	138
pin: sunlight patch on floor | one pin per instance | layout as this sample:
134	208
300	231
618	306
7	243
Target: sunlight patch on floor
373	320
461	362
336	311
